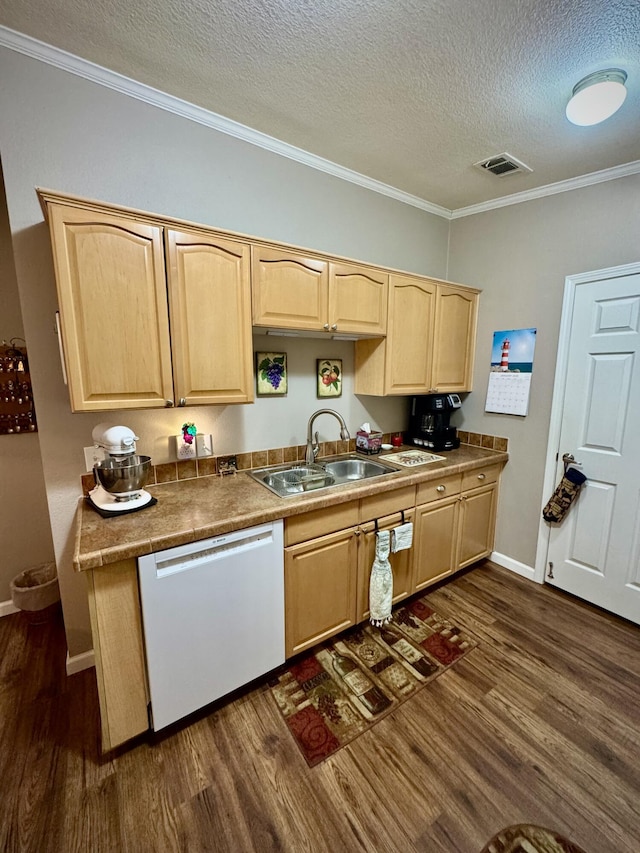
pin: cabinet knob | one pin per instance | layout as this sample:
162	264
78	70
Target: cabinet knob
440	489
334	328
168	404
357	531
481	476
326	327
182	401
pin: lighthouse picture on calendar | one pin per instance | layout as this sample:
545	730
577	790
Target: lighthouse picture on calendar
513	351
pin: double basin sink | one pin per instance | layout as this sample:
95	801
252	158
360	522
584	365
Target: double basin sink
300	477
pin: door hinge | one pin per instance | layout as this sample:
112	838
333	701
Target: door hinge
550	572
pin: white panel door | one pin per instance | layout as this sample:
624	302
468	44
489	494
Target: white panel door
595	551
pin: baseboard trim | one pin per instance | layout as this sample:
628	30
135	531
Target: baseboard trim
79	662
7	608
513	565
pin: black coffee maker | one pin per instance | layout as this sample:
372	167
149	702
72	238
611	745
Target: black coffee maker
429	422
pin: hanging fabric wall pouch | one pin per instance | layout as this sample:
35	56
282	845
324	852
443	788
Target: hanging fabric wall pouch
564	495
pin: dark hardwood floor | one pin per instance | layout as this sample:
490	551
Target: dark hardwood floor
539	724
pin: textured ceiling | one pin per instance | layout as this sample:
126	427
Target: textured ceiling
407	92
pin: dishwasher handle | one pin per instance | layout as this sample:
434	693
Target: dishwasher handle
211	552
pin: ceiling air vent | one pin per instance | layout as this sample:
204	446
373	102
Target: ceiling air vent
502	165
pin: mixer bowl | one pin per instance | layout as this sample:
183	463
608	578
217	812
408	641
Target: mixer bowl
123	476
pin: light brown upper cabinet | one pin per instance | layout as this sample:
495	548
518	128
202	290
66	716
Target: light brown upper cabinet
454	338
307	293
210	307
118	297
430	341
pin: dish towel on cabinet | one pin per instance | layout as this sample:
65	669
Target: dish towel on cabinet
402	537
381	581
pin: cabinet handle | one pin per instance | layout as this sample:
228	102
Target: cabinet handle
168	404
326	327
440	489
334	328
481	476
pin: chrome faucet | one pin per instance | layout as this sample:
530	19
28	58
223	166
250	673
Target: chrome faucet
313	446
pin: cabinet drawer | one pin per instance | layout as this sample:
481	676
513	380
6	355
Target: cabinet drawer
442	487
480	477
385	503
320	522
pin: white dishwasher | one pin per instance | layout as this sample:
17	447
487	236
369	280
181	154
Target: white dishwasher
213	617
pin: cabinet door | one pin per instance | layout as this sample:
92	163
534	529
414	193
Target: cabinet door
320	589
410	335
454	338
289	290
112	293
436	540
477	524
401	563
210	301
357	299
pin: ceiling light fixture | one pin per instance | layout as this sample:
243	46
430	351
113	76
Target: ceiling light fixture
597	96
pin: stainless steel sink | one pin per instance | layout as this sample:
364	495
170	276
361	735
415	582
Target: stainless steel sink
298	477
356	469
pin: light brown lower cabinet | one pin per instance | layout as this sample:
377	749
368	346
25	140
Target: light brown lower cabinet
477	524
116	627
435	541
455	523
320	588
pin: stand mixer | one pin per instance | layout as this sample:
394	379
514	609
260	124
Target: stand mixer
121	475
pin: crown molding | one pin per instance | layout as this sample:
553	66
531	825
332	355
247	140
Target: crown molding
103	76
581	181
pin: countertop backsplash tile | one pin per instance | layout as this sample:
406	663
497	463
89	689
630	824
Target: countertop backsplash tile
169	472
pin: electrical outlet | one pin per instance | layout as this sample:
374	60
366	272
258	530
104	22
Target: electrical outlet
227	464
93	455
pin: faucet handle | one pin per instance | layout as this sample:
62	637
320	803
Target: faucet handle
316	445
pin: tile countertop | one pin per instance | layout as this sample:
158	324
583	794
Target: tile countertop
189	510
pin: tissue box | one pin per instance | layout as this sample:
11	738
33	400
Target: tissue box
368	442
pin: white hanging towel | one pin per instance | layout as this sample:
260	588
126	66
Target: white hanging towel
402	537
381	581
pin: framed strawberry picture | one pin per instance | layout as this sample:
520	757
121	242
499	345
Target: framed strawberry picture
329	377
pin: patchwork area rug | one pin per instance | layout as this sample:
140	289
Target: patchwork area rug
344	687
526	838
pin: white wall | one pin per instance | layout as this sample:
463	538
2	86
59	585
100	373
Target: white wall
520	255
25	535
65	133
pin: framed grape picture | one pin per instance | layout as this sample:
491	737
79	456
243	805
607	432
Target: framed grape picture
271	374
329	377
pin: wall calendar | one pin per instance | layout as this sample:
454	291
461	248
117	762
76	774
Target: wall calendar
511	371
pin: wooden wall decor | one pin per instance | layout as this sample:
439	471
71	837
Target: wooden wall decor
17	412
